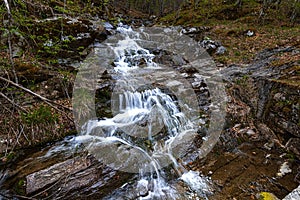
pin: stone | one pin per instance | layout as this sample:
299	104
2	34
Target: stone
75	177
194	30
294	195
221	50
41	179
210	45
108	26
284	169
196	84
250	132
250	33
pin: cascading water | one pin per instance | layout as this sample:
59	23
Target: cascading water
145	129
155	127
7	6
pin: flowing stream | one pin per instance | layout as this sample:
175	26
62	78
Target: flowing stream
153	132
146	129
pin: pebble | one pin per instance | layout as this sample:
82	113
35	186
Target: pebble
250	132
221	50
250	33
284	169
196	84
237	126
269	145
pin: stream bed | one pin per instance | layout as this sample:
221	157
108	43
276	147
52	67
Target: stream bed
150	126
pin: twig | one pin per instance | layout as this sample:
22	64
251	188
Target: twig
18	136
4	107
48	101
24	197
12	102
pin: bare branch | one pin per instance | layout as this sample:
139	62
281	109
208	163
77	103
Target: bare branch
12	102
48	101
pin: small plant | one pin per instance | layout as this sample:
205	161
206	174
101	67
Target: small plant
40	115
20	186
81	48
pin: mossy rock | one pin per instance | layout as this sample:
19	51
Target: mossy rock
267	196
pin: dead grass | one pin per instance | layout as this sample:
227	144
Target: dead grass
273	30
243	49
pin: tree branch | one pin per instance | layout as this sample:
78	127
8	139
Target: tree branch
12	102
48	101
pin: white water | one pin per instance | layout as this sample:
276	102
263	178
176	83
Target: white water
139	113
196	182
7	6
128	53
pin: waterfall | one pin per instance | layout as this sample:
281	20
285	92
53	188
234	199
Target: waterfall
148	125
7	6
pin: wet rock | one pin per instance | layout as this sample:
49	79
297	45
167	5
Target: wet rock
295	194
268	53
41	179
212	46
168	58
74	177
196	84
75	37
108	26
142	188
178	60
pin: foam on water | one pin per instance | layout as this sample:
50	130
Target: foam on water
201	185
137	107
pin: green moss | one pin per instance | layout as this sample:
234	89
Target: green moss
21	183
267	196
42	114
20	187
